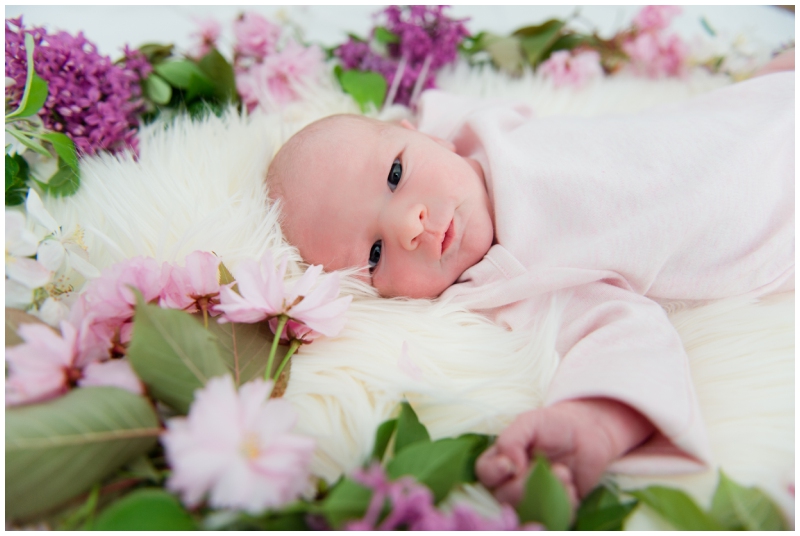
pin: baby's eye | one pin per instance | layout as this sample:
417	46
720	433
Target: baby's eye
394	174
374	255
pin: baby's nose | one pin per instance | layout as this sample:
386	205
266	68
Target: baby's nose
412	226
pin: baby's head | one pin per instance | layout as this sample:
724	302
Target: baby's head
398	204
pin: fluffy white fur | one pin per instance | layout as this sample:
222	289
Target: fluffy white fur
199	185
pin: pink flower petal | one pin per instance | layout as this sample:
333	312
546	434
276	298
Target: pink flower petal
218	449
112	373
203	271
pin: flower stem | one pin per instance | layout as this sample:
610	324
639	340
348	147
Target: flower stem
292	349
282	319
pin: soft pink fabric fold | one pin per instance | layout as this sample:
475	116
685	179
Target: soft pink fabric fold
611	216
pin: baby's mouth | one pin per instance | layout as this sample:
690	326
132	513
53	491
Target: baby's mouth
448	237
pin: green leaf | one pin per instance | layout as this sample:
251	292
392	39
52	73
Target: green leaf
439	465
571	41
64	147
382	436
16	180
707	27
172	354
143	468
480	443
217	68
602	510
15	318
738	508
57	450
244	348
366	87
284	522
676	507
64	182
337	71
545	500
347	500
610	518
199	86
35	92
12	169
537	41
382	35
36	97
409	429
157	89
180	73
27	141
225	276
505	52
82	514
155	52
145	509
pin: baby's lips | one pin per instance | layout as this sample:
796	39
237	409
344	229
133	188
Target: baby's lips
448	236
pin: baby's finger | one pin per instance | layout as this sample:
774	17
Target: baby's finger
493	469
511	492
517	439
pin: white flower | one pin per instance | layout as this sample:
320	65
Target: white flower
18	295
238	448
22	243
52	311
58	247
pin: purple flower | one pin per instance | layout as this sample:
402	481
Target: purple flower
92	100
412	508
425	34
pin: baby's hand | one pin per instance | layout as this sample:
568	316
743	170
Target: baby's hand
579	437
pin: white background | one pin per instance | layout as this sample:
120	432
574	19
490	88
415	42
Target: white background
110	27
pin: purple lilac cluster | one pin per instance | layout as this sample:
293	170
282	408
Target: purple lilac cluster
412	508
92	100
423	32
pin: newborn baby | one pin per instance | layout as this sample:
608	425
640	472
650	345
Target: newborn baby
502	212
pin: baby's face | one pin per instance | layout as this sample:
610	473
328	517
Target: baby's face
402	206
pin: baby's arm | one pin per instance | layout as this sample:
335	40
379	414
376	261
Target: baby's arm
782	62
580	438
623	378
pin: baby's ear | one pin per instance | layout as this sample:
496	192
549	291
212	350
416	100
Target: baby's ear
444	143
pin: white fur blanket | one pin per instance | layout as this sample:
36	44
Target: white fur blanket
199	185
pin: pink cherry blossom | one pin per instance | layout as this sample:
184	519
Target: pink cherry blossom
255	36
576	70
112	373
656	55
38	369
45	366
110	296
263	295
208	31
274	81
238	448
655	18
192	287
105	310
